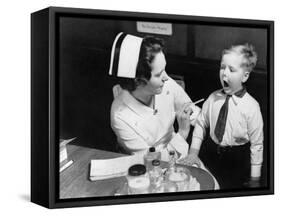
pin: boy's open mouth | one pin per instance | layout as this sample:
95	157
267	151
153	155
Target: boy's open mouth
225	84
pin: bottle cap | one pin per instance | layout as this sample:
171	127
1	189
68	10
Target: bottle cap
156	162
137	170
152	149
171	152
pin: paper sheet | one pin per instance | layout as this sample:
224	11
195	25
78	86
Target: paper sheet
110	168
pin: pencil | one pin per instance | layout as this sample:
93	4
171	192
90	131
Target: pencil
194	103
199	101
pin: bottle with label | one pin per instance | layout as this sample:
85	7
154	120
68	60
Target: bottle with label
151	155
156	177
138	180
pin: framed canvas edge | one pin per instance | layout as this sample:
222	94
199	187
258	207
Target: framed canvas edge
53	184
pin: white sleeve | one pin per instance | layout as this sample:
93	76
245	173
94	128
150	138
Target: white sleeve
180	145
203	121
181	98
255	132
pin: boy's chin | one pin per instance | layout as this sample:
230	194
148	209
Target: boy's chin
230	91
227	90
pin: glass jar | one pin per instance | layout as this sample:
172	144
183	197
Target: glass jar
168	186
138	179
181	178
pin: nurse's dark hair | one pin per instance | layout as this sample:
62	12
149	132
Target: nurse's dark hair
248	52
150	47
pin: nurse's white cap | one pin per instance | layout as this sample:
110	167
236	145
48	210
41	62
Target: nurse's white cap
125	55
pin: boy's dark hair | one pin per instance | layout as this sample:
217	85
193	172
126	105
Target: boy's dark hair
248	52
149	48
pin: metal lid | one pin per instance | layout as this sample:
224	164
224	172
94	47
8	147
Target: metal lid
136	170
171	152
156	162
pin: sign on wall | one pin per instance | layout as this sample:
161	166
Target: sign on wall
155	28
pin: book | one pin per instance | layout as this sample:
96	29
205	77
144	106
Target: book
112	168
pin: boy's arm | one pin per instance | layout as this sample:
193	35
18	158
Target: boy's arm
195	145
198	134
256	164
256	160
255	131
203	122
192	157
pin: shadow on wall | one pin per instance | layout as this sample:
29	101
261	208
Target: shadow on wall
85	99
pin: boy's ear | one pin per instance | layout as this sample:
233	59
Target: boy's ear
246	76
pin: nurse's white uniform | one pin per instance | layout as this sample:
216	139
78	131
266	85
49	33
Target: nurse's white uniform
139	127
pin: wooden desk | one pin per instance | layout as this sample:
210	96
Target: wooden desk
75	182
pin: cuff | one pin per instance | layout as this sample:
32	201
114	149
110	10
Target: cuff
196	142
180	145
255	170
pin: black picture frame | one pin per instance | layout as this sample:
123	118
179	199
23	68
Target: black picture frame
46	66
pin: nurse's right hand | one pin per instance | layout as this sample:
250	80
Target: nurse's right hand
183	118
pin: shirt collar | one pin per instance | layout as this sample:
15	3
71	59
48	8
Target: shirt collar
236	98
135	105
240	93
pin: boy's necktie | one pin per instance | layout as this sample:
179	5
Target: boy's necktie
221	122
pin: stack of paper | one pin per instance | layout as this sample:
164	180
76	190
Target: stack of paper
110	168
64	160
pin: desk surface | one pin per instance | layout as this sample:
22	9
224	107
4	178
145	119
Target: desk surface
75	182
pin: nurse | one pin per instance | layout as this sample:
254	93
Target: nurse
143	113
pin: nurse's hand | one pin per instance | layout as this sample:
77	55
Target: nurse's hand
183	118
194	114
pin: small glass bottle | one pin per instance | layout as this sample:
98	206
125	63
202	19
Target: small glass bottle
156	176
138	179
150	156
168	185
177	175
172	160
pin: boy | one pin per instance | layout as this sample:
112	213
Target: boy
234	151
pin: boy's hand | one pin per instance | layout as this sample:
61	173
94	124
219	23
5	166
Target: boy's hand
254	182
191	159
